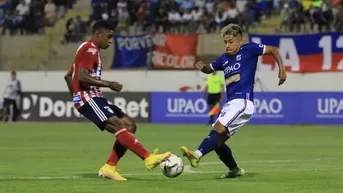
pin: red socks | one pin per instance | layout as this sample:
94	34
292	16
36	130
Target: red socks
118	151
125	140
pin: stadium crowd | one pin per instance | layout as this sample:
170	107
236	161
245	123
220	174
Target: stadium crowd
207	16
171	16
180	16
305	15
31	16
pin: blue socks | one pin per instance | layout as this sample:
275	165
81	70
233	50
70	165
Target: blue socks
225	155
209	143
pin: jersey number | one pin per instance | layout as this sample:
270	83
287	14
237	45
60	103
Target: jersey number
108	109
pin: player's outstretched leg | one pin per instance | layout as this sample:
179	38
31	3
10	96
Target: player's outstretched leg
215	139
109	170
119	150
126	139
225	155
235	114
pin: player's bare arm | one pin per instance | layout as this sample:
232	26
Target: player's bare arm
87	79
282	71
68	79
205	68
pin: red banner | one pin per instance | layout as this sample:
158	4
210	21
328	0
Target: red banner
175	51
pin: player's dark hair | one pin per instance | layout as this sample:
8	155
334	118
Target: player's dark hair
102	24
13	72
232	29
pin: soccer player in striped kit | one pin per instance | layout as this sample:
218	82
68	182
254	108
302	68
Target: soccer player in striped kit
84	82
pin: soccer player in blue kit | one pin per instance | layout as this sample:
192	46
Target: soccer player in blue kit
239	65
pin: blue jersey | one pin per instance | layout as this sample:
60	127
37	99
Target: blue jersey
239	70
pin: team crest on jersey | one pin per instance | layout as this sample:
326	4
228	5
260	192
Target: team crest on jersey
77	98
92	50
238	57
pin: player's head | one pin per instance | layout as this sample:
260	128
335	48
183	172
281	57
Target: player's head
103	34
233	38
14	75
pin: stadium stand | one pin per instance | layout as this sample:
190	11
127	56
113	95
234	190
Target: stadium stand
53	44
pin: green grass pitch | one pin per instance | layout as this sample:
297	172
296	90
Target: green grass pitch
65	158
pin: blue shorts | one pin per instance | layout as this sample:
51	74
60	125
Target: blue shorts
98	110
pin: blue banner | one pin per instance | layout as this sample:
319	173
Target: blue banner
133	51
178	107
304	53
276	108
270	108
322	108
3	9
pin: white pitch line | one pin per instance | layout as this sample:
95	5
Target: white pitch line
275	161
187	170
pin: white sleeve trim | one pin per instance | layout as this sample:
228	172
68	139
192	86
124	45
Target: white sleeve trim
212	67
264	49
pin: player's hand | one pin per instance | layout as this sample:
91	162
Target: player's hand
115	86
200	65
282	76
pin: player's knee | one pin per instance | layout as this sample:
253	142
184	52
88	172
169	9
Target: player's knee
129	124
132	127
220	128
113	124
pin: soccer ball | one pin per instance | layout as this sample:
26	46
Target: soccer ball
172	166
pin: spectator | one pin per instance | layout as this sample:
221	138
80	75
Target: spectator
209	22
296	18
241	5
197	14
62	7
140	20
123	20
221	18
317	18
70	31
339	19
199	3
161	20
99	7
209	6
285	16
327	16
175	21
80	29
187	18
232	14
36	21
23	8
186	4
17	22
50	13
121	5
